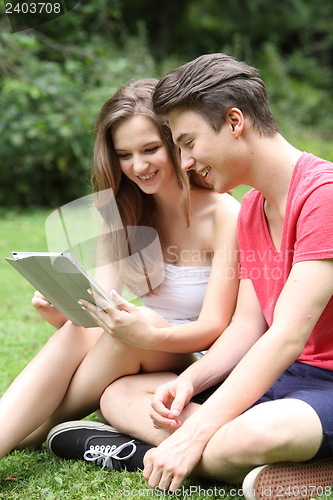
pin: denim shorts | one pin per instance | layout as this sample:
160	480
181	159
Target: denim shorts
308	383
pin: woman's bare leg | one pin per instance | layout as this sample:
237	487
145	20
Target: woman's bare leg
104	364
108	360
40	387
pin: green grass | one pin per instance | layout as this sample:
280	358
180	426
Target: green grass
39	475
22	331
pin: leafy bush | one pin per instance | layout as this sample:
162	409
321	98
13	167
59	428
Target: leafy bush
56	78
299	91
48	110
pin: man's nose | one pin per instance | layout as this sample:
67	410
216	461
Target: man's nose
187	161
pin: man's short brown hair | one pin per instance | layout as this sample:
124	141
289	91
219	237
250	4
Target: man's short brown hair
211	85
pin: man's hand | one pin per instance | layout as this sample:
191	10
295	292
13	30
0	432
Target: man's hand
47	311
172	461
168	465
168	403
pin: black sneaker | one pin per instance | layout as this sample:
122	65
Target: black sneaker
93	442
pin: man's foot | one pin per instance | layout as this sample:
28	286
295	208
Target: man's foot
93	442
290	481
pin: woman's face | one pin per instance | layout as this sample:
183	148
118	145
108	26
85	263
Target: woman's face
143	156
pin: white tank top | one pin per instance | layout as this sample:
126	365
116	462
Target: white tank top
180	297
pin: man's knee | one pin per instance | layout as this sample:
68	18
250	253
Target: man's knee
272	432
119	400
249	440
117	393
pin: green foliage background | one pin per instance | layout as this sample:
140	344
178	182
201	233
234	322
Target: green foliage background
53	81
55	78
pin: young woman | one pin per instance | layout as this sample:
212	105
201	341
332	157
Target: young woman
136	159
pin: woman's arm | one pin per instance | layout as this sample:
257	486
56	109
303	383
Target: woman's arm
131	327
222	288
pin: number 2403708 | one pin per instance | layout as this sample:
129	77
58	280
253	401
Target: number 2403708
33	8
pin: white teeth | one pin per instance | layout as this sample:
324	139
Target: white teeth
205	171
146	177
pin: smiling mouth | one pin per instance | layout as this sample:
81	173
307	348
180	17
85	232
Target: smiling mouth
148	176
205	171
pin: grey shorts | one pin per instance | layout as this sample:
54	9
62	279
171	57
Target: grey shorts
309	384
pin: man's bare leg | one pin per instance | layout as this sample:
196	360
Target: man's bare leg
125	404
277	431
282	430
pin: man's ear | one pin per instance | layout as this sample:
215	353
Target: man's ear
236	121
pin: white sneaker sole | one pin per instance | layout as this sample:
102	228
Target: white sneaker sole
83	424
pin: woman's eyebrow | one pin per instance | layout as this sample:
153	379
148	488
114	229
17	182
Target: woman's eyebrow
145	145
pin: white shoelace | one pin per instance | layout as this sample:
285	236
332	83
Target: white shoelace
102	455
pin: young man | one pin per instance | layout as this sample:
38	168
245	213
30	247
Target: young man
274	363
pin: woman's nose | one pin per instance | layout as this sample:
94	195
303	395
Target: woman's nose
140	164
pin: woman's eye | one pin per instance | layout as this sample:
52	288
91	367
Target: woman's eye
123	156
152	150
189	144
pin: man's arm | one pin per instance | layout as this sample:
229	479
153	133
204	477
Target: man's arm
247	325
301	302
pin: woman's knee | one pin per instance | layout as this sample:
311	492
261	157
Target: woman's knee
70	335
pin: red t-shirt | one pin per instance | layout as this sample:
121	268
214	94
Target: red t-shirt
307	235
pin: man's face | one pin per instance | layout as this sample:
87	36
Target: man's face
211	154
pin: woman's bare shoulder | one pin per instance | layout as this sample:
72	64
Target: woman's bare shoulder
212	202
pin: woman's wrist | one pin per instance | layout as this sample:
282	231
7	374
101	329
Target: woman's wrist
158	338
